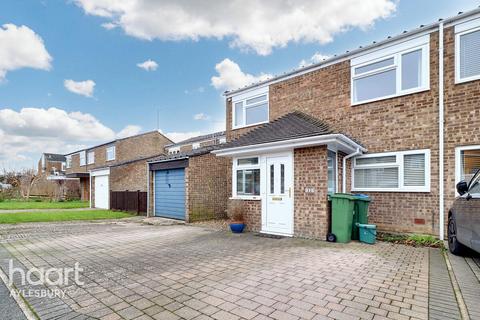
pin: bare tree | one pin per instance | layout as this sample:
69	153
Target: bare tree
27	179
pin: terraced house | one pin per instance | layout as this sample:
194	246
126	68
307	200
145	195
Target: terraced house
398	120
118	165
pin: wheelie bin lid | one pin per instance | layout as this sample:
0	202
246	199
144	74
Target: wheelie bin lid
362	197
343	196
366	226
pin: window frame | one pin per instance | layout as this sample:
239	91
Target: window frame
114	153
458	162
236	167
84	162
93	157
458	34
399	163
68	161
396	53
243	100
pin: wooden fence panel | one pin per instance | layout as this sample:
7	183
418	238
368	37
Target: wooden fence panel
131	201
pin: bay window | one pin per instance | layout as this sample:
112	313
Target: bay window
246	177
407	171
390	72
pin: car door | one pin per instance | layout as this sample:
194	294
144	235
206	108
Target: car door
472	212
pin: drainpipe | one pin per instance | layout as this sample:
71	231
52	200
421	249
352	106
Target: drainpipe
441	202
148	190
90	188
344	167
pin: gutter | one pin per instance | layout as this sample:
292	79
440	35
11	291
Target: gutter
441	123
344	167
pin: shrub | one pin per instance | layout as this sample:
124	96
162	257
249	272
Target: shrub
236	210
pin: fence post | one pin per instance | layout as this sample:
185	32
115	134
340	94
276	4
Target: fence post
138	202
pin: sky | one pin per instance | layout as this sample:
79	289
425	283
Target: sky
75	73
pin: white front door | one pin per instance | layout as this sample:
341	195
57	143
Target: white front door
278	215
102	192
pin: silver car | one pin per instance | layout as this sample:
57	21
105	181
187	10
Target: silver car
464	217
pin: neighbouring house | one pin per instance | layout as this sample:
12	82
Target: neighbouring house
189	182
115	166
397	119
52	181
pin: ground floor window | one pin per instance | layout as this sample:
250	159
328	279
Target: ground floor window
247	177
406	171
467	162
332	171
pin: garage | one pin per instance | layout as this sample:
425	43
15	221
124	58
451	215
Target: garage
189	186
170	193
101	189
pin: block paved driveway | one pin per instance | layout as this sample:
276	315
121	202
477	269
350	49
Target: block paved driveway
134	271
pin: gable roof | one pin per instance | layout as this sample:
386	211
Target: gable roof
209	136
54	157
291	126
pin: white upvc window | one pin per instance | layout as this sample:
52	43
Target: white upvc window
394	71
174	150
91	157
110	153
467	162
250	108
68	161
196	145
405	171
83	160
246	178
63	166
467	48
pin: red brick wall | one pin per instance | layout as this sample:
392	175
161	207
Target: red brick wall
310	209
130	177
206	185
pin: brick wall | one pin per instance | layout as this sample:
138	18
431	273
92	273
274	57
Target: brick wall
130	177
206	187
310	209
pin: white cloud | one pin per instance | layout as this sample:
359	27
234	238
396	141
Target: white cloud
201	116
129	131
84	88
21	47
148	65
259	25
316	58
109	25
230	76
25	134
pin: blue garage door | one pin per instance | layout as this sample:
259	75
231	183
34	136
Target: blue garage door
170	193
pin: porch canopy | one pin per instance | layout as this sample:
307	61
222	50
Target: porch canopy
291	131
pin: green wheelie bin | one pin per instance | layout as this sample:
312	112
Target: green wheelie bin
362	202
342	216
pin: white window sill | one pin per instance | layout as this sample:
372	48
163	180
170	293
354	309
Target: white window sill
464	80
353	104
254	198
392	190
250	125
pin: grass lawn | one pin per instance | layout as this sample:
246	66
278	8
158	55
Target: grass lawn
32	204
49	216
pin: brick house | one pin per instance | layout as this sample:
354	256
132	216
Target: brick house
189	182
398	120
51	181
118	165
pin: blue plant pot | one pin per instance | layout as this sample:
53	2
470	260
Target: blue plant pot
237	227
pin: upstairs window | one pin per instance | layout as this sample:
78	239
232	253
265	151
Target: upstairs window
110	153
250	110
394	71
407	171
83	160
467	48
68	161
91	157
196	145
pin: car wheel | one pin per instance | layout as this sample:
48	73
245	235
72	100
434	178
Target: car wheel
454	246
